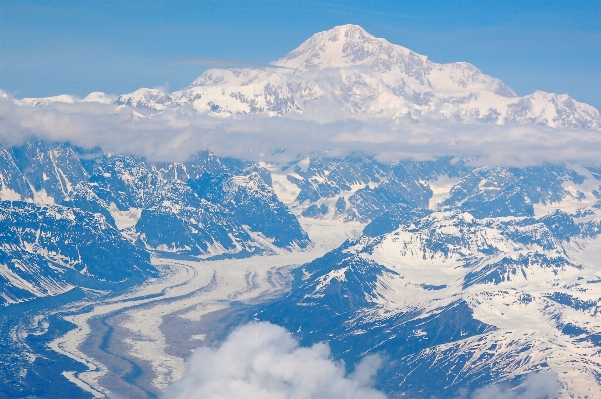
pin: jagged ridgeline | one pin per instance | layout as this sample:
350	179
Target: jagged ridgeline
74	218
450	256
78	217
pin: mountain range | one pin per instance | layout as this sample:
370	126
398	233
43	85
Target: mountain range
347	73
126	207
460	275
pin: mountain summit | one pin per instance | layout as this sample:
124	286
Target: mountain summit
346	73
350	46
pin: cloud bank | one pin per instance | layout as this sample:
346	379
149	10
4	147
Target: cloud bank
175	134
262	360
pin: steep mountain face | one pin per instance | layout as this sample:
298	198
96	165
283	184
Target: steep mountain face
50	171
346	73
359	188
255	204
49	250
12	181
493	192
181	222
455	302
184	211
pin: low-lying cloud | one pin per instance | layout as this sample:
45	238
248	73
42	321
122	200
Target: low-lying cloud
262	360
175	134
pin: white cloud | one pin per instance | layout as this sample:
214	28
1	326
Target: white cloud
175	134
225	63
262	360
543	385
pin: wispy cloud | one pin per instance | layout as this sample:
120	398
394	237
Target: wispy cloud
262	360
225	63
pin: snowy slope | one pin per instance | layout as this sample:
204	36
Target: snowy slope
49	250
346	72
470	277
456	302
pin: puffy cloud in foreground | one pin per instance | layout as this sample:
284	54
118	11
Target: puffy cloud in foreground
262	360
543	385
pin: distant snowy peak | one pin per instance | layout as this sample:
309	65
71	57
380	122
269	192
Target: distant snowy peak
37	102
94	97
554	110
155	99
350	46
346	73
99	97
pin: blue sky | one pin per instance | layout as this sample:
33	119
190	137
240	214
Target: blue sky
75	47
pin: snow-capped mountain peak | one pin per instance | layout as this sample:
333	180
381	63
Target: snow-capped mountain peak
347	73
347	46
350	46
155	99
99	97
356	75
37	102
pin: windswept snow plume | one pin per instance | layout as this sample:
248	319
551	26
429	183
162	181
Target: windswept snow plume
544	385
262	360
